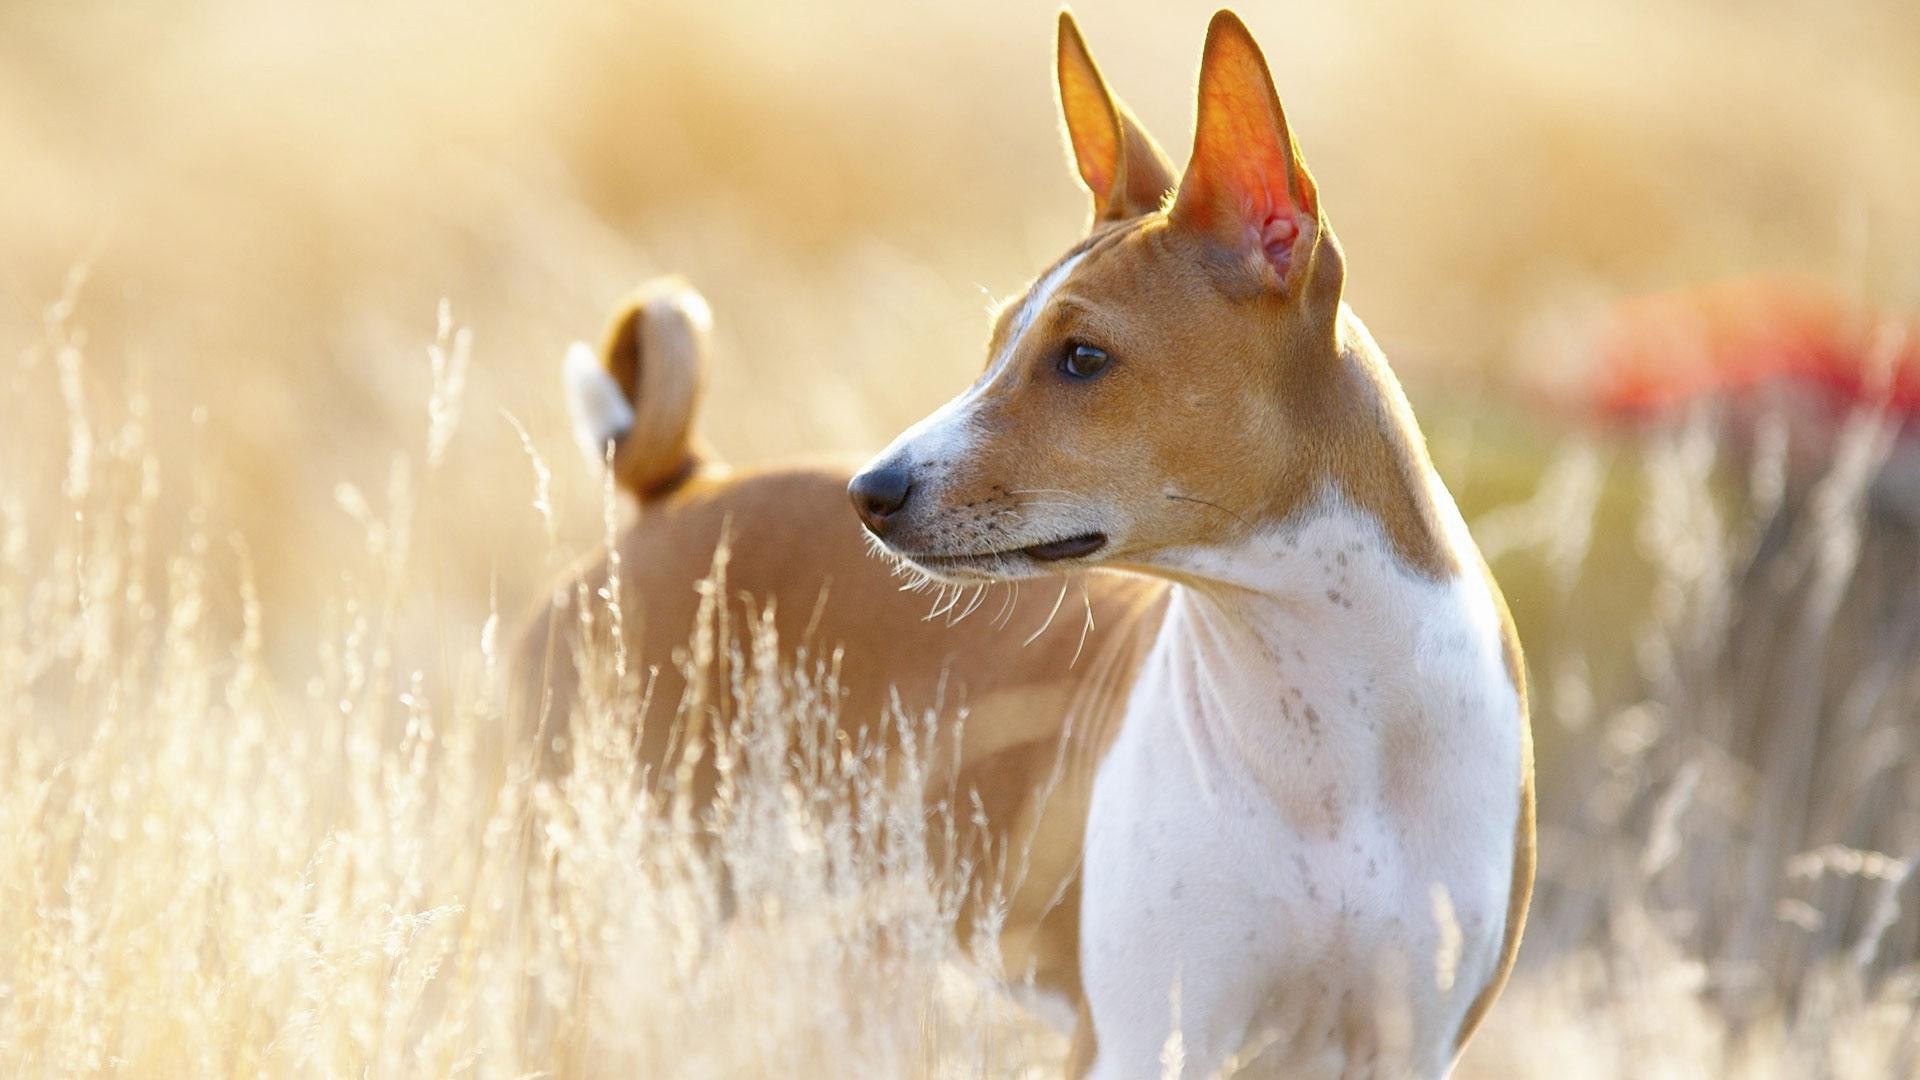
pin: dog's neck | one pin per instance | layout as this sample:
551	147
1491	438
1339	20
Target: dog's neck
1331	566
1303	617
1283	652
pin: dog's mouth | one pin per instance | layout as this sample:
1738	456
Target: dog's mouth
1073	547
1068	548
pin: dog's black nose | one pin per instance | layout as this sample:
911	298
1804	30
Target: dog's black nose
878	494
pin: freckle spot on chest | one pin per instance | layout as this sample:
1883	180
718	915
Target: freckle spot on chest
1316	814
1306	877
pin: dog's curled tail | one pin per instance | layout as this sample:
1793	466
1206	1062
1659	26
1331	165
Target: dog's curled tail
641	391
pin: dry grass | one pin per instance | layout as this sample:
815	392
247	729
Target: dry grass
255	815
208	871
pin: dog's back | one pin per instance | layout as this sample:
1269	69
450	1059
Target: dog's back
1035	701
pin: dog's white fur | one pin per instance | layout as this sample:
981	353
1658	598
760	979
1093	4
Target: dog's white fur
1253	789
600	411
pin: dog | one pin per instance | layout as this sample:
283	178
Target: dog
1309	848
1271	801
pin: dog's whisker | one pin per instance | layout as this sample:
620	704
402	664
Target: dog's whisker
1006	610
1205	502
941	608
1086	627
953	603
1057	601
979	594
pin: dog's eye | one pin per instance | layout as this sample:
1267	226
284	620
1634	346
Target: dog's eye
1083	361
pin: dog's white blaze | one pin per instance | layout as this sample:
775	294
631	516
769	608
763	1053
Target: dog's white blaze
1031	307
601	413
947	434
1318	739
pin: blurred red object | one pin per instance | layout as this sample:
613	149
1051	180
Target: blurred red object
1728	339
1769	354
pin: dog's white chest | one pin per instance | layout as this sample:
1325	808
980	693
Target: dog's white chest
1300	844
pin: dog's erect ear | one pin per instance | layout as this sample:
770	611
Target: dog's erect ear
1246	186
1118	161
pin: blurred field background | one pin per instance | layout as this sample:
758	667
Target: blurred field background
255	535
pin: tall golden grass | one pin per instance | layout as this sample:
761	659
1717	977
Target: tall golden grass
259	548
208	871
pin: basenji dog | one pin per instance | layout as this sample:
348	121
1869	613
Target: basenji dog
1309	846
1290	734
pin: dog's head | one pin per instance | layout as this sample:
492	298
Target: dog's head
1147	393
